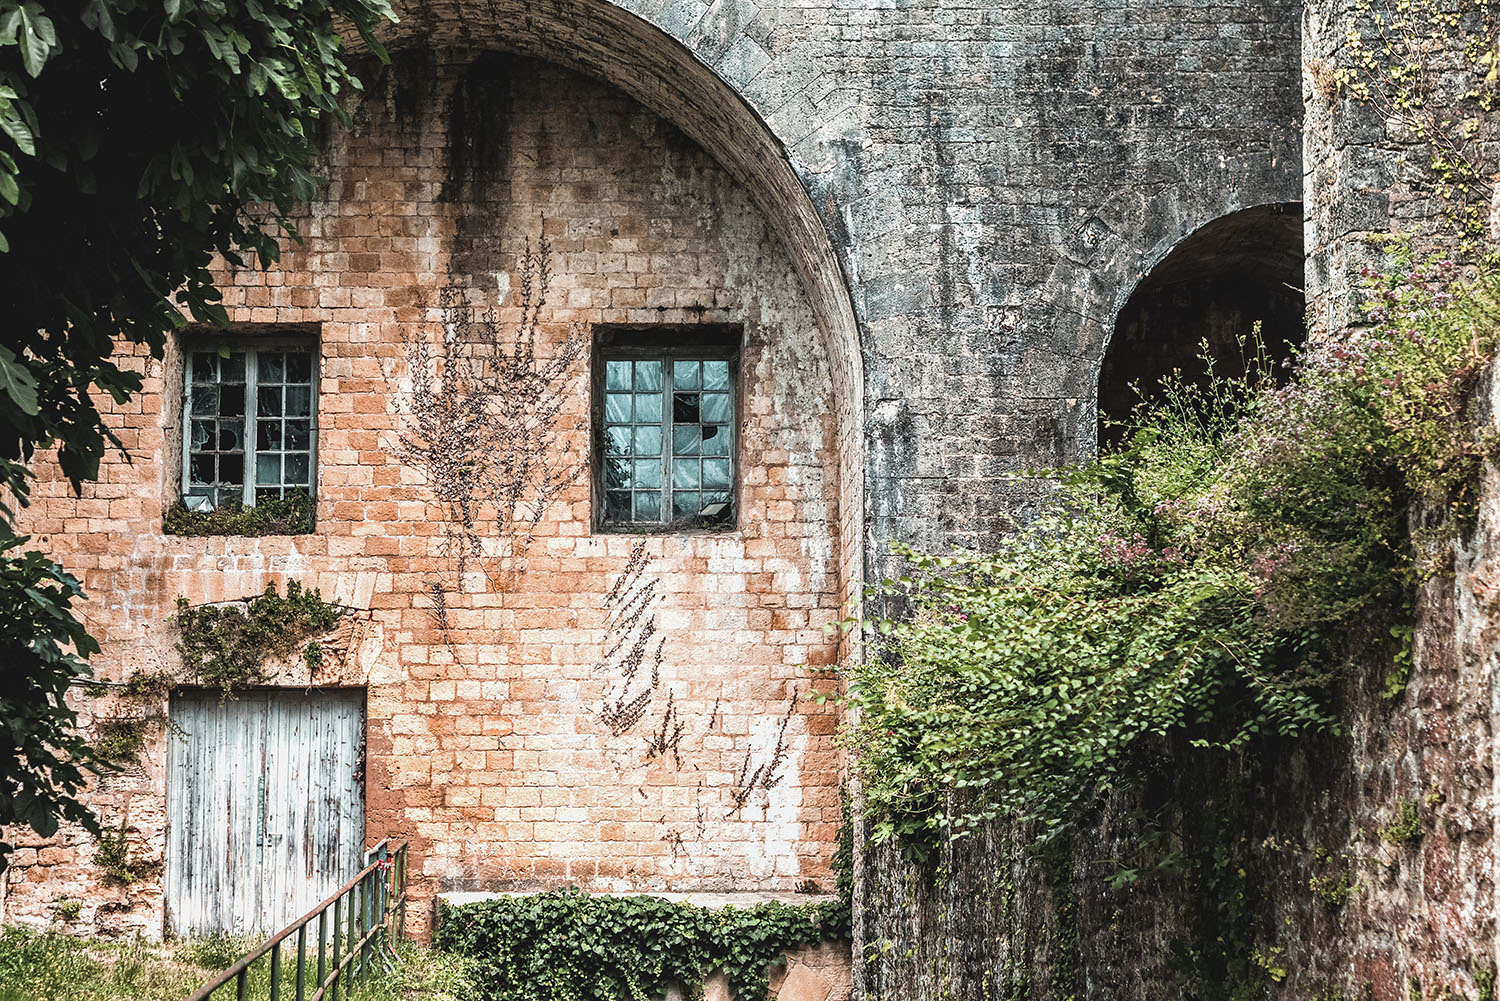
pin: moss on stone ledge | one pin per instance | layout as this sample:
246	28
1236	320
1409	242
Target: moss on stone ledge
289	515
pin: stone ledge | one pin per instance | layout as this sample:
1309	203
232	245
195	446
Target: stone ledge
709	899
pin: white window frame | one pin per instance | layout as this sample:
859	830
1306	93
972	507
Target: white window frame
251	346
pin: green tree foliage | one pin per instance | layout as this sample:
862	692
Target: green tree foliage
42	646
1209	579
137	139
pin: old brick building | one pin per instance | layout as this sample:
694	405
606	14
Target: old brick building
819	274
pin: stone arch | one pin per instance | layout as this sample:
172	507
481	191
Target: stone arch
651	61
1239	269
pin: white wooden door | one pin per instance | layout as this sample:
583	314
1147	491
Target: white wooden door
265	806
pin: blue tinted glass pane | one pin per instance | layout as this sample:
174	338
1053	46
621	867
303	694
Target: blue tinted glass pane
617	440
716	375
298	434
716	408
203	432
686	439
684	473
648	473
648	440
268	469
715	440
616	472
268	401
617	408
647	375
205	401
685	375
648	407
617	375
203	367
272	366
298	401
296	468
648	505
685	504
617	505
716	472
299	366
232	369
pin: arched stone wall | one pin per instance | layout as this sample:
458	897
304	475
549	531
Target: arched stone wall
1214	286
706	76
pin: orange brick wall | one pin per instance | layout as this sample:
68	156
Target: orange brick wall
489	754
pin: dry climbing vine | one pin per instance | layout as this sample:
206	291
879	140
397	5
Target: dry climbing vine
630	642
483	425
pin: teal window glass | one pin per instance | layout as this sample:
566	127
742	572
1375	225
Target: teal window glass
668	426
249	424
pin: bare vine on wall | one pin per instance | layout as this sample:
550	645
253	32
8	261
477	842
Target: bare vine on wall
483	424
630	644
766	775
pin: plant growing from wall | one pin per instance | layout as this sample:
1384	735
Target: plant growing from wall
483	425
567	944
1208	580
228	645
294	514
1429	69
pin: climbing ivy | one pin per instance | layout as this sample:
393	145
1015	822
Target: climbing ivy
570	946
1208	580
227	645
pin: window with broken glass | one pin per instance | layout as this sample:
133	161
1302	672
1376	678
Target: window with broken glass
249	424
668	455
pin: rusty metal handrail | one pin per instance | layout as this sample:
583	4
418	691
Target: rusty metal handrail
365	934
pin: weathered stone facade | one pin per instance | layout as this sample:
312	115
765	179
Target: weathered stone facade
928	217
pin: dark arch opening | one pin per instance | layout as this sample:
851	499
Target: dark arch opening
1214	286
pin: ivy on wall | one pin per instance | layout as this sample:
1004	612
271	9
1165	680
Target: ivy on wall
570	946
228	645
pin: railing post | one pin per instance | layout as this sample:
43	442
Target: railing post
338	935
401	889
302	963
353	923
276	972
322	948
242	983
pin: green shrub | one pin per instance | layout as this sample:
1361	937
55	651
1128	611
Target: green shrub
568	944
1207	580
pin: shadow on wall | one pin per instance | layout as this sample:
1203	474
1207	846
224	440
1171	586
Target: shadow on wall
1240	269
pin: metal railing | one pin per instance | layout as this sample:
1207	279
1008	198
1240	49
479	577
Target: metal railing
368	915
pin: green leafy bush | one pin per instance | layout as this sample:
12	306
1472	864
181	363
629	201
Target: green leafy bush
227	645
570	946
1206	581
294	514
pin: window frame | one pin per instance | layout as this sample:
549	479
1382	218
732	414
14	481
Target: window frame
666	343
251	343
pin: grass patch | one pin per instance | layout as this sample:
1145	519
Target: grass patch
46	966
